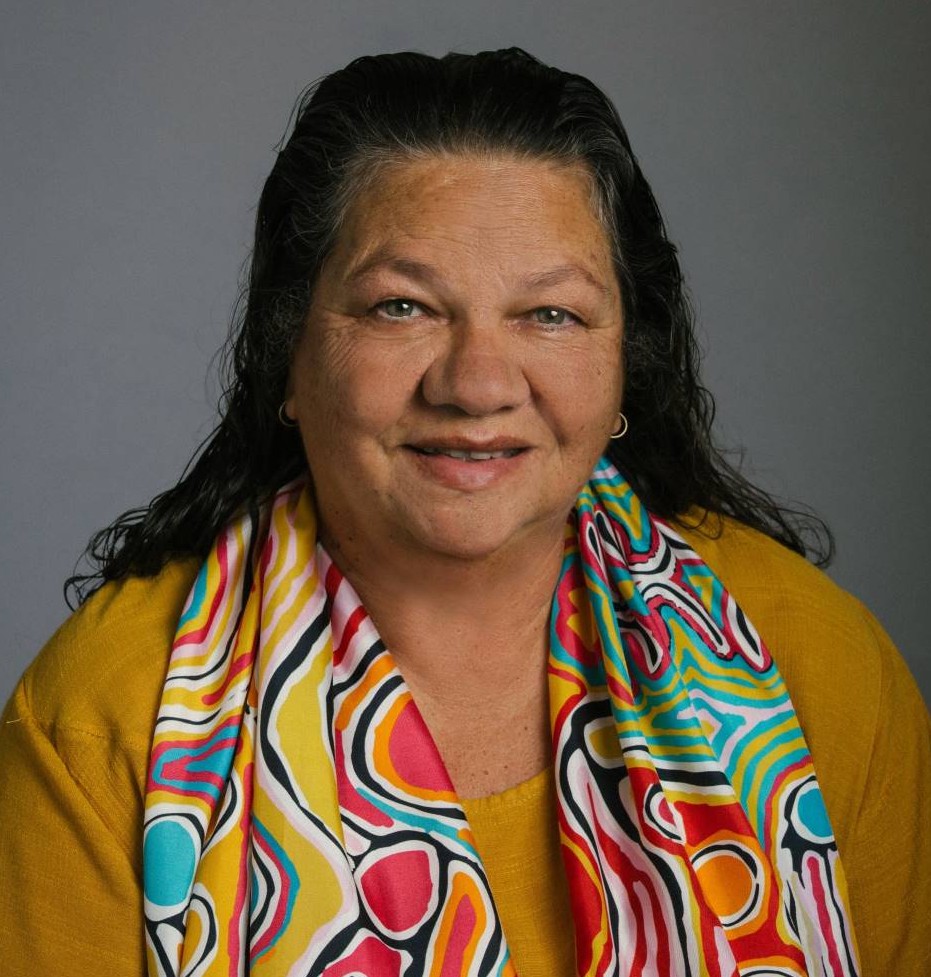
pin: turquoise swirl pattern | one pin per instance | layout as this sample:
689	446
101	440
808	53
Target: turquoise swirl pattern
300	820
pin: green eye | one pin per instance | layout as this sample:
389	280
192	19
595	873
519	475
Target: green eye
550	315
398	308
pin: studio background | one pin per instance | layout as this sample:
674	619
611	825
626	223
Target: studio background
788	145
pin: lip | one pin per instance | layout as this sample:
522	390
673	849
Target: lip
460	443
461	474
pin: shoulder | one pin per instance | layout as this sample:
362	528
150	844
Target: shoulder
74	748
754	560
825	641
793	603
847	681
101	673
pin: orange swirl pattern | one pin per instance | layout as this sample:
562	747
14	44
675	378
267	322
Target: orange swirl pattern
300	820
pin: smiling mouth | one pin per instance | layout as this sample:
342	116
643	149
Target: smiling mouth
469	455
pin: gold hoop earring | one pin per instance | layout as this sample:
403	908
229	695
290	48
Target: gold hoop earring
622	427
283	418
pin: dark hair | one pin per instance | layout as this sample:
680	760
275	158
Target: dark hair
396	107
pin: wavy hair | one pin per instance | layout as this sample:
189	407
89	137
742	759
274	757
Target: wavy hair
392	108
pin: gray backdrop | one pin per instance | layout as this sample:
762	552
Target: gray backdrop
788	144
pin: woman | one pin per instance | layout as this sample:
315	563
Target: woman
464	323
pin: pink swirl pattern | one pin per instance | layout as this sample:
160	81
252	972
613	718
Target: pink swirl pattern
300	820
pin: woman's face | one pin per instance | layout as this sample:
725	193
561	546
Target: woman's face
459	370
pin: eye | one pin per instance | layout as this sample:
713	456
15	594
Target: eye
553	316
397	308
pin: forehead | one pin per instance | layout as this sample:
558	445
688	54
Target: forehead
498	208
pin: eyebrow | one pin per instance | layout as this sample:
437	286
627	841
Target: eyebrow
427	273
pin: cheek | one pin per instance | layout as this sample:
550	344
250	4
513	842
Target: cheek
349	389
583	395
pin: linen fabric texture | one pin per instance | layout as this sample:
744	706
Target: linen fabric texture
75	738
299	818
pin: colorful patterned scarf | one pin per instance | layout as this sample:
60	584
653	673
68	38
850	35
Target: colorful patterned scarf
300	821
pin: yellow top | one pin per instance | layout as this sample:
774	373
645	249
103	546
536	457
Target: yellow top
74	745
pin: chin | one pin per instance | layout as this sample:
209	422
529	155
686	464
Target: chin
470	536
459	545
466	551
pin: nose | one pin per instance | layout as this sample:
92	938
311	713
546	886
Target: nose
478	369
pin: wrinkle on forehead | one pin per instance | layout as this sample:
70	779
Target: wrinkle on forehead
413	206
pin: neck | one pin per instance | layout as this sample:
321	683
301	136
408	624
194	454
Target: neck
471	638
456	626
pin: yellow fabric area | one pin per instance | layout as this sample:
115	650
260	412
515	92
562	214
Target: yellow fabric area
74	743
517	836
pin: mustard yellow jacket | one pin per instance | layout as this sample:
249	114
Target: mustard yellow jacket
74	744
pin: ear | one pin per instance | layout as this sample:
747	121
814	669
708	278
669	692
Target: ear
290	401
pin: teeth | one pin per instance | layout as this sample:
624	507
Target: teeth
475	455
471	455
